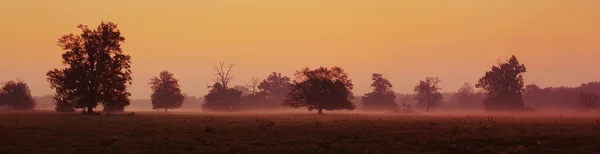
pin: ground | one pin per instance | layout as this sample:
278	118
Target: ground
156	132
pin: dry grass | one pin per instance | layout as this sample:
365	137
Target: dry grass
149	132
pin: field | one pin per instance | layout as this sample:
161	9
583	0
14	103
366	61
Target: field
176	132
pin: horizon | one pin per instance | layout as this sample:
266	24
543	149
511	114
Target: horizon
406	41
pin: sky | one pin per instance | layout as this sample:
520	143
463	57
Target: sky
406	41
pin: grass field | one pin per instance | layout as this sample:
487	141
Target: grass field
155	132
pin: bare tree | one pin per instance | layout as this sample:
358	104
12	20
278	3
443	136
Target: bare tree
222	75
253	85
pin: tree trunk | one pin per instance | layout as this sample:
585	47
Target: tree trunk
165	109
428	102
320	111
90	109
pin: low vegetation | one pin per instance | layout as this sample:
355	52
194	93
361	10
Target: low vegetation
172	132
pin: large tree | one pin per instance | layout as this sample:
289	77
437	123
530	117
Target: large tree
321	89
16	94
504	86
427	93
382	97
166	92
96	70
221	97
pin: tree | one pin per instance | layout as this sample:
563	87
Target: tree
504	86
382	97
465	94
96	70
166	92
273	90
427	93
588	101
321	89
532	93
16	94
253	86
245	91
221	97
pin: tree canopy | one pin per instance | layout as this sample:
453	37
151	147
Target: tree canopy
96	70
382	97
504	85
427	93
16	95
166	92
321	89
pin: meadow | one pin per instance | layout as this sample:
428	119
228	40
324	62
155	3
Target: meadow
187	132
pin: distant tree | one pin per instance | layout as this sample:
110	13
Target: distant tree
532	93
321	89
166	92
427	93
466	94
221	97
97	70
504	85
588	101
382	97
16	94
253	86
271	91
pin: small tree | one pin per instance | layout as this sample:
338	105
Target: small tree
382	97
166	92
321	89
427	93
16	94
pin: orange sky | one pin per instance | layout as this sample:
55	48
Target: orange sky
458	40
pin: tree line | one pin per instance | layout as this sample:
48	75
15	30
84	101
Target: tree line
98	72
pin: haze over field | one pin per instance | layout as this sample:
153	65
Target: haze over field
457	40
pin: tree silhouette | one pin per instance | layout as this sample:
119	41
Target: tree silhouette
532	93
166	92
274	89
321	89
588	101
427	93
97	70
504	85
382	97
466	95
17	95
221	97
253	86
